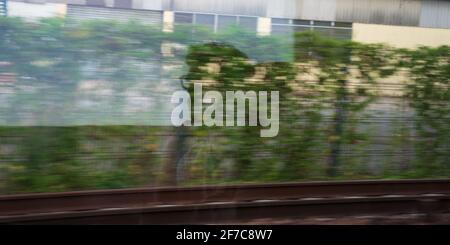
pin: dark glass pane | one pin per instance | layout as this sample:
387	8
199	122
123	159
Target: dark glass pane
248	23
322	23
183	18
302	22
226	21
280	21
343	24
205	20
95	2
123	3
335	33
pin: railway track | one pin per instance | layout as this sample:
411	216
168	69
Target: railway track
228	204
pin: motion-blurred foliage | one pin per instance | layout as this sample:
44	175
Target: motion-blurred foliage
327	88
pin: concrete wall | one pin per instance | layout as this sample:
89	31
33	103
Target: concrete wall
400	36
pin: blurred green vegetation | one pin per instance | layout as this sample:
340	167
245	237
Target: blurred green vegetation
74	158
329	128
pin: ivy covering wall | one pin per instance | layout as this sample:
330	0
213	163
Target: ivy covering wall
85	106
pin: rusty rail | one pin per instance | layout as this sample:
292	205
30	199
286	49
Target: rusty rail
222	213
145	197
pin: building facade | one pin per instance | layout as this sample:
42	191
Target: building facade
418	22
